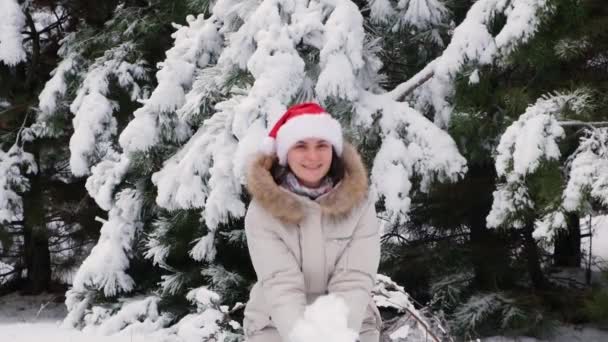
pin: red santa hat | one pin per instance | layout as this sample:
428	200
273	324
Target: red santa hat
299	122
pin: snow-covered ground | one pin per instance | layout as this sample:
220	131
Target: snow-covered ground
29	319
561	334
52	332
36	318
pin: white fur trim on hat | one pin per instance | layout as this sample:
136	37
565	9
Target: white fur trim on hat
320	126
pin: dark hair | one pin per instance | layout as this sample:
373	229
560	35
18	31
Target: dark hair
335	172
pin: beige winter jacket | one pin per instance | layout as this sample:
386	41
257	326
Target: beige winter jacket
302	249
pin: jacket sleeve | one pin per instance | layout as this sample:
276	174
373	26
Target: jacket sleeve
277	270
355	273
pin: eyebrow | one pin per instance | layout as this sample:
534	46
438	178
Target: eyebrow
320	142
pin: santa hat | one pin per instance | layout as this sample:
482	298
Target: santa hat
302	121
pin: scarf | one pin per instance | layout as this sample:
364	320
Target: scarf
291	183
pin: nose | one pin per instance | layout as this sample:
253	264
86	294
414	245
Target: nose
311	154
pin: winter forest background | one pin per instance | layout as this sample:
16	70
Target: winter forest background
126	127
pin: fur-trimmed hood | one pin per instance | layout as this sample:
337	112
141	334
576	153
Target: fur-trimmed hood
288	207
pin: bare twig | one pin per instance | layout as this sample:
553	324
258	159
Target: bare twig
29	78
576	123
14	270
43	306
423	323
21	128
405	88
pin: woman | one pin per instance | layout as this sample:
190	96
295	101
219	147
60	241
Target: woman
311	228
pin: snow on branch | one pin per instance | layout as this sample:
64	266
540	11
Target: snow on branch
12	21
527	143
15	164
510	199
104	178
207	154
211	321
135	314
551	221
202	174
588	171
411	145
420	14
196	45
94	125
56	86
412	324
207	172
105	268
472	43
341	55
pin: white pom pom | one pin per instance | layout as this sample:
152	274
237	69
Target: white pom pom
268	145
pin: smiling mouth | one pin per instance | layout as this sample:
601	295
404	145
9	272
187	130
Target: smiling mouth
312	168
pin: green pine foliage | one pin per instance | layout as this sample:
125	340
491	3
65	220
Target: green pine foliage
596	305
556	59
481	279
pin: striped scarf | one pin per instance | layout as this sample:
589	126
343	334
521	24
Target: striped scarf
291	183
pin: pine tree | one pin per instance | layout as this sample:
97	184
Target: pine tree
225	79
528	118
46	230
159	120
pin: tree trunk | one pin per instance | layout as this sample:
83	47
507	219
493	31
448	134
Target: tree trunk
568	244
533	258
481	246
33	68
36	240
488	254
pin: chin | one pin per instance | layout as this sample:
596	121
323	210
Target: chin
312	179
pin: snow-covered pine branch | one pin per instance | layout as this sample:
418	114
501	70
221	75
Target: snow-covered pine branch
420	14
15	164
12	22
55	88
105	268
105	177
211	321
527	143
588	171
412	324
486	306
302	50
346	70
196	45
472	44
94	125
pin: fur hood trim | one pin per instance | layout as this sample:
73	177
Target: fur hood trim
288	207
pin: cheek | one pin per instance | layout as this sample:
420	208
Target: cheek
327	157
293	157
294	160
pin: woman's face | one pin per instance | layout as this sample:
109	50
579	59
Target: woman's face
309	160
